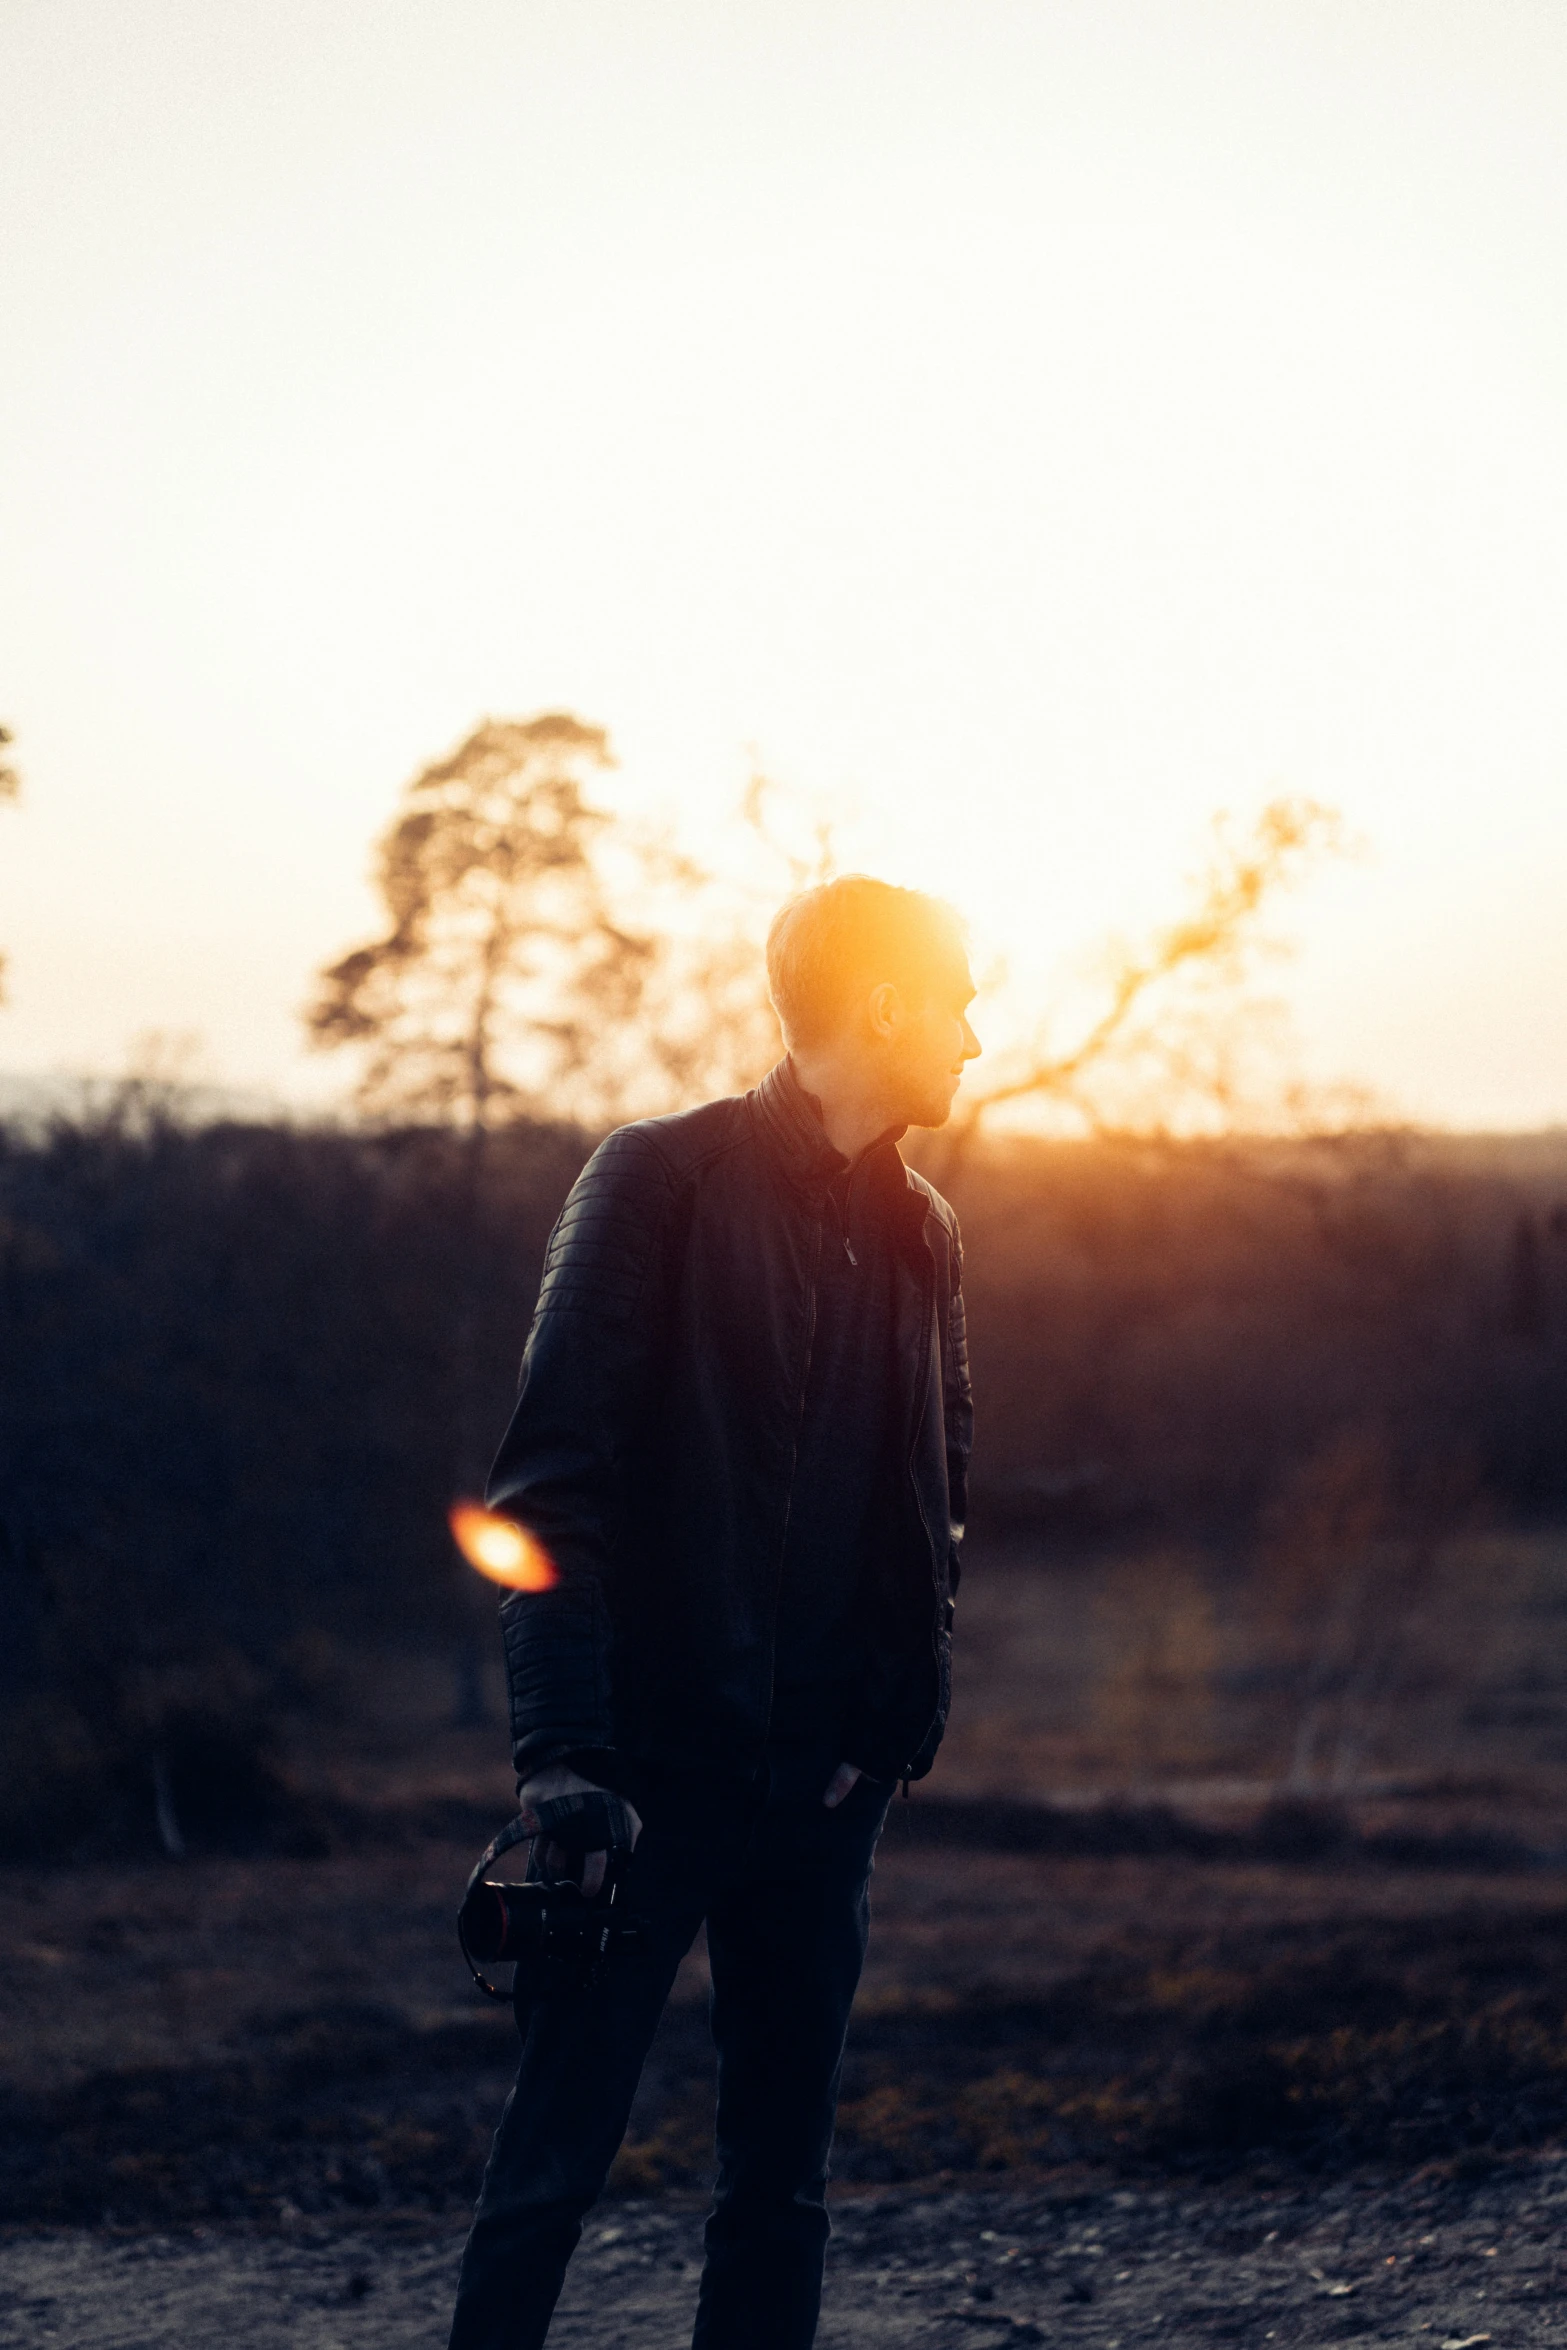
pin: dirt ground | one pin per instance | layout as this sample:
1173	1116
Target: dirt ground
1141	2055
1425	2261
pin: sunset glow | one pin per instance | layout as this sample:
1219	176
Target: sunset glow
1023	434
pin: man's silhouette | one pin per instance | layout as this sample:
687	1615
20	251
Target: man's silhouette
742	1434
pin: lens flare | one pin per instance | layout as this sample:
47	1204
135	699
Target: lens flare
499	1548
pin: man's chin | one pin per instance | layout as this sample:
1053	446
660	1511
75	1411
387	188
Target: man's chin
934	1112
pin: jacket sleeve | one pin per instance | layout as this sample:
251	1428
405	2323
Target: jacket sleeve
959	1407
559	1468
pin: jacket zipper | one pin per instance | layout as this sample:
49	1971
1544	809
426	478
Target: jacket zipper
843	1220
799	1422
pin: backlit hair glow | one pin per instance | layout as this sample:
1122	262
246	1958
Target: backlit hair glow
832	944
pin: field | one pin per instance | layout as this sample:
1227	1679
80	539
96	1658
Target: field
1118	1969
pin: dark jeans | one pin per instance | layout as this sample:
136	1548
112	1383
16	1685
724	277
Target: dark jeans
784	1886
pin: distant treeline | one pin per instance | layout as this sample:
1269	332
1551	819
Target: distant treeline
1173	1332
243	1368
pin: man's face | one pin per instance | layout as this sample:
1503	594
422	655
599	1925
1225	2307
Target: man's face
931	1044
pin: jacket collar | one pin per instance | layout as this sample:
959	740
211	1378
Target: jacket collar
797	1135
799	1142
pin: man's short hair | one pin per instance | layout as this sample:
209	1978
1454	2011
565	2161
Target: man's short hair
834	943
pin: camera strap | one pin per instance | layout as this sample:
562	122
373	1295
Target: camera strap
596	1822
514	1832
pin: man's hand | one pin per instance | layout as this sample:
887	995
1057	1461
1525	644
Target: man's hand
838	1786
544	1787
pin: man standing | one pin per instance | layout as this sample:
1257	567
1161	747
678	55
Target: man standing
742	1434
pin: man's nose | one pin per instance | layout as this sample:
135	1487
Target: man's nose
972	1048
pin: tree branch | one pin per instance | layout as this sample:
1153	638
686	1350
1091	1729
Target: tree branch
1241	878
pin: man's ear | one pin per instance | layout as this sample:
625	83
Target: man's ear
884	1008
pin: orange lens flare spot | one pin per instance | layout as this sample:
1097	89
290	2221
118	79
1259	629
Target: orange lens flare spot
499	1548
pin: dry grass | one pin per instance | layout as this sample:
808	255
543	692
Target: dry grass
248	2036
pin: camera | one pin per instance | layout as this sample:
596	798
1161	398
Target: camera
558	1940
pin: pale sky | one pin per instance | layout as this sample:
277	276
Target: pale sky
1032	427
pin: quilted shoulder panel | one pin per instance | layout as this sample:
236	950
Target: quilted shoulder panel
601	1250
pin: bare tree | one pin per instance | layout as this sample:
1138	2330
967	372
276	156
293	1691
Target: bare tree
503	966
511	979
542	956
1170	1021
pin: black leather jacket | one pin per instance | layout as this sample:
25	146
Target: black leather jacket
652	1448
